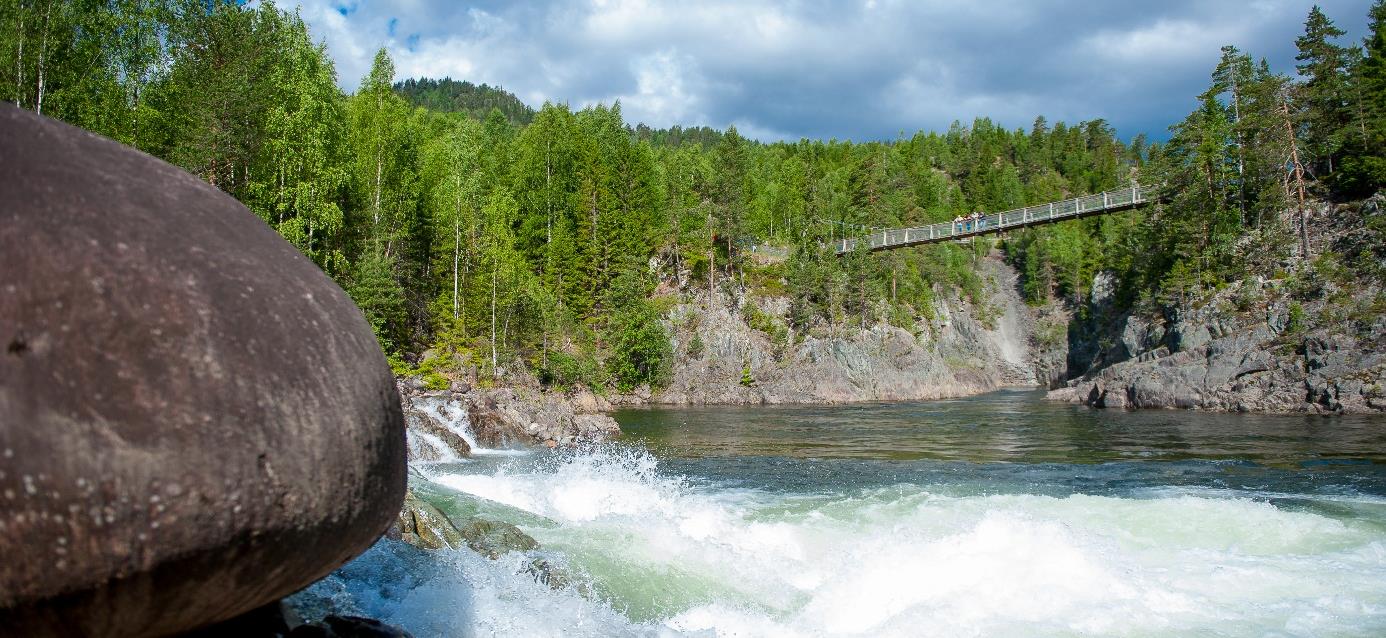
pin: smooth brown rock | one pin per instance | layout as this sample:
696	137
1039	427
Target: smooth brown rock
194	419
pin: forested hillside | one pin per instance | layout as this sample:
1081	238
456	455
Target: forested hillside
452	96
485	234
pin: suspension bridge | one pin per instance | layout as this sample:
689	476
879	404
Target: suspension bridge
1112	201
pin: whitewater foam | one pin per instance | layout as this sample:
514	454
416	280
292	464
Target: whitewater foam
664	554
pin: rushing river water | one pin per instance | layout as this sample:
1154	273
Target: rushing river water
997	515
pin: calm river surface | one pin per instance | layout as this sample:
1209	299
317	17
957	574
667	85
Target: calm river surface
997	515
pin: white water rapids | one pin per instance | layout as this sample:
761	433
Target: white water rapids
663	554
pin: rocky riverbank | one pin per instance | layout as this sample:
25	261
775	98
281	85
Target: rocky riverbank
1309	338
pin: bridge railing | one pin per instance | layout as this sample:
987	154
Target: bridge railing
1112	199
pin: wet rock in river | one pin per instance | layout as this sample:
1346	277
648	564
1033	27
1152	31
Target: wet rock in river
422	525
493	539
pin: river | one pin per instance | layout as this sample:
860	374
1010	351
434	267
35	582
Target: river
995	515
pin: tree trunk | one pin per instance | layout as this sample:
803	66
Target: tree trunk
456	241
711	260
1361	117
1241	151
19	61
494	357
379	168
43	50
1299	180
456	251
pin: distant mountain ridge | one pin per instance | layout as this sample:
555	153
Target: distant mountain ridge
460	96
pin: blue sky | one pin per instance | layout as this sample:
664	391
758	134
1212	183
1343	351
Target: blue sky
859	70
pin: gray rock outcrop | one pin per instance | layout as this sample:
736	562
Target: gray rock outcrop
194	420
964	350
1276	353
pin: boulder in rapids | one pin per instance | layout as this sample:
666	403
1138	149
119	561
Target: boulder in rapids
194	419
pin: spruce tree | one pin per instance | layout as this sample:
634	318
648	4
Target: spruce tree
1364	169
1323	94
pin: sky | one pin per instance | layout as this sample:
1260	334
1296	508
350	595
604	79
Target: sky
867	70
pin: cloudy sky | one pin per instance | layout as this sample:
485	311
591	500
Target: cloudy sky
851	70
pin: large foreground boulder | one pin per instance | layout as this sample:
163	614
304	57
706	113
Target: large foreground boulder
194	419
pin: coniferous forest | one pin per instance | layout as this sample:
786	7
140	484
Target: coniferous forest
478	231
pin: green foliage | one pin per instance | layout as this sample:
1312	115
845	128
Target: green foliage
565	370
1049	333
760	320
451	96
746	379
1294	319
399	366
462	220
695	346
381	299
435	381
641	352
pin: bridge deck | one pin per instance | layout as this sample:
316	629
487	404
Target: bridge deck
1100	204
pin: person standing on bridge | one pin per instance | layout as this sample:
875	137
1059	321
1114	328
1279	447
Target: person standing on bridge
957	223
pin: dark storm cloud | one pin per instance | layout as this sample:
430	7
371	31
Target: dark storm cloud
864	70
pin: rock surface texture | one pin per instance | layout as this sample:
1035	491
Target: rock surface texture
194	420
1313	341
1213	360
958	353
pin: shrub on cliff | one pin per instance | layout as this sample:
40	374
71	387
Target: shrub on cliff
640	349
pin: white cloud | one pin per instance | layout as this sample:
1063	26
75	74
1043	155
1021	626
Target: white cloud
1164	42
860	70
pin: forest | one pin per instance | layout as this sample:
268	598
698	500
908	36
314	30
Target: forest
477	232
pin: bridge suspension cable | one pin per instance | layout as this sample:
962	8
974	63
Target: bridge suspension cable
1104	203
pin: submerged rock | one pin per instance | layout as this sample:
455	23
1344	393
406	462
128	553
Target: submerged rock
422	525
494	539
194	420
356	627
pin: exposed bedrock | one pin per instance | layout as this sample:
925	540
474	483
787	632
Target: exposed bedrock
194	420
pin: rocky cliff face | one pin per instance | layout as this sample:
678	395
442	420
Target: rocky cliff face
1245	362
721	359
1314	341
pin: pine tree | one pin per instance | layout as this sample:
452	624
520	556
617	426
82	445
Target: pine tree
1364	168
1232	77
380	297
1323	95
729	197
544	171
